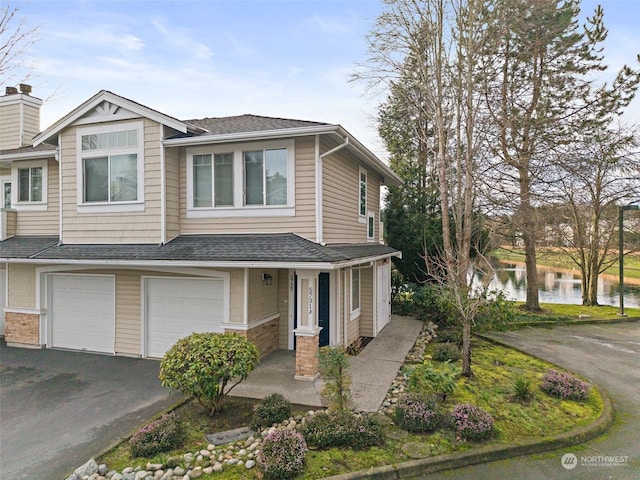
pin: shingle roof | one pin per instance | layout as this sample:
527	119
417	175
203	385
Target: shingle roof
248	123
285	247
26	247
43	147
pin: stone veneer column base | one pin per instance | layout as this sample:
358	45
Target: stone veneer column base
307	357
264	336
22	330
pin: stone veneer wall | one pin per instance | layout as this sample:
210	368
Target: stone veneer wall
264	336
22	328
307	357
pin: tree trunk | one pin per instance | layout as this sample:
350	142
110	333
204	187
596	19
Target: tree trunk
466	348
527	224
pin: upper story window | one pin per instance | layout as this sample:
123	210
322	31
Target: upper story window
251	179
362	197
110	168
265	177
30	186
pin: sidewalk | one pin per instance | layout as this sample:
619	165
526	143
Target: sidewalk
372	371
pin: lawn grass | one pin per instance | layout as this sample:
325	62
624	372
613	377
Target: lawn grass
565	312
491	389
558	259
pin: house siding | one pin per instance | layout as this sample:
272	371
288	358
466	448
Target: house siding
128	227
45	222
340	180
366	301
172	200
21	281
283	308
9	126
302	223
263	299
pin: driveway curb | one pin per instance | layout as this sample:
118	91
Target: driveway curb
492	453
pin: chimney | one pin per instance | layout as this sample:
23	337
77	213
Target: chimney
20	113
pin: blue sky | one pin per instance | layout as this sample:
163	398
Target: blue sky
193	59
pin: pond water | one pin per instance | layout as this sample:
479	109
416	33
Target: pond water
558	286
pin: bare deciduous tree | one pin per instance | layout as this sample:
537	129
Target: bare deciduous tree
16	37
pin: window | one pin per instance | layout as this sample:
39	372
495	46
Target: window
110	167
27	187
265	177
371	218
30	184
363	194
213	180
251	179
355	292
111	179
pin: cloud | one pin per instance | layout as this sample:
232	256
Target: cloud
106	36
330	25
181	39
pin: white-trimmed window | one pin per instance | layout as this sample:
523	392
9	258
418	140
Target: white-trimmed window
6	192
111	167
355	293
362	195
371	222
249	179
27	189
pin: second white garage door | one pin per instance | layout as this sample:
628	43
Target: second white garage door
176	308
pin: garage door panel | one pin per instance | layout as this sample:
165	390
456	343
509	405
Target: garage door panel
82	312
176	308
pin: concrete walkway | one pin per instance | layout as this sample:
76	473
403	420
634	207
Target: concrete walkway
372	371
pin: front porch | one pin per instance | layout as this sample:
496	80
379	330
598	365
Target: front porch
372	371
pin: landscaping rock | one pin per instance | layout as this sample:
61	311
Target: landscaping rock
396	433
217	467
416	450
88	469
250	464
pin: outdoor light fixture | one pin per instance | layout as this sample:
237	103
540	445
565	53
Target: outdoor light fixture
621	210
267	279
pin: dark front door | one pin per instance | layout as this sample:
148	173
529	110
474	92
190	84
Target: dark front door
323	308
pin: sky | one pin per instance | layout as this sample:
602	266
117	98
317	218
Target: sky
194	59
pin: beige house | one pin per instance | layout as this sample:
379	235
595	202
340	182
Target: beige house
123	229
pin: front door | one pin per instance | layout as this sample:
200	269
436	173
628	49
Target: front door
323	308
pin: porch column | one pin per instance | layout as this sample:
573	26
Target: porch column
308	331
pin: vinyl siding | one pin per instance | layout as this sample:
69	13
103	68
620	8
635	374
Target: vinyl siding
263	299
340	180
172	177
9	126
21	281
128	313
303	223
31	124
129	227
43	222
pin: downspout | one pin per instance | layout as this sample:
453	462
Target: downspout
163	195
59	160
319	209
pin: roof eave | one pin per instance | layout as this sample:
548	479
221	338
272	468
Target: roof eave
105	95
247	136
37	154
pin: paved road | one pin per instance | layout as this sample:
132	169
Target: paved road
58	409
610	356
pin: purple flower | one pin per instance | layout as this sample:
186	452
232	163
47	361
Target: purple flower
565	385
471	422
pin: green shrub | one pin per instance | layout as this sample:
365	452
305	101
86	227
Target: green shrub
522	388
449	335
426	379
416	413
430	303
333	362
282	455
158	436
272	409
446	352
497	314
203	364
342	429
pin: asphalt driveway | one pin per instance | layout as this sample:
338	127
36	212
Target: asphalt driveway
59	408
610	356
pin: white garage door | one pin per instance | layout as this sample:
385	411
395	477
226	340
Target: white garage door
176	308
82	312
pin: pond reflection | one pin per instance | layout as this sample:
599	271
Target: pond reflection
556	286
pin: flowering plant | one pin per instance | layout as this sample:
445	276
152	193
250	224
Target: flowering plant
158	436
282	455
471	422
416	414
564	385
